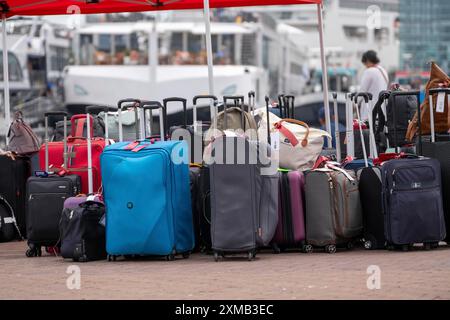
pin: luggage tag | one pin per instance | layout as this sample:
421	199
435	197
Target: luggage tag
275	140
440	103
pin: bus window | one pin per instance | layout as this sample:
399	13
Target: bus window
15	71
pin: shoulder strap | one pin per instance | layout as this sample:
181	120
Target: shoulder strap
384	76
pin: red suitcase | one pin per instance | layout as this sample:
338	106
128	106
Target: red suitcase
77	154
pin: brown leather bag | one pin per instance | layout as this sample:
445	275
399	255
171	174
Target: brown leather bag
22	140
442	120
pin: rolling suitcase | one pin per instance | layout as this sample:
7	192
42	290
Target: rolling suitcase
438	147
46	194
333	209
147	198
82	235
14	172
244	196
412	202
290	232
74	160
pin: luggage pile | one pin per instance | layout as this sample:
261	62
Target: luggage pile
248	179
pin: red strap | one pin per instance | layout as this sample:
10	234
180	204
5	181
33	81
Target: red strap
287	133
137	149
132	145
80	127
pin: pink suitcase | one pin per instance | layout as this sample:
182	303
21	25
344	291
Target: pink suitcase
290	231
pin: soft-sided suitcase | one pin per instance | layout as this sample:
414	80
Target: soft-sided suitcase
333	209
412	202
82	234
290	232
438	147
75	162
14	172
46	194
244	201
147	196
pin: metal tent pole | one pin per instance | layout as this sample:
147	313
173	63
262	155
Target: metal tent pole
209	52
324	74
6	79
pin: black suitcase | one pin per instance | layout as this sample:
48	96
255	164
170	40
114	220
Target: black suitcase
82	235
370	188
13	178
440	150
204	210
194	178
412	202
46	194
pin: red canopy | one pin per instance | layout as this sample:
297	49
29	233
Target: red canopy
51	7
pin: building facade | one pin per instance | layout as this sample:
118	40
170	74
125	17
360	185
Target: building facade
424	34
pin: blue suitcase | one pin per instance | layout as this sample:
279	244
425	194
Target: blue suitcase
147	199
147	196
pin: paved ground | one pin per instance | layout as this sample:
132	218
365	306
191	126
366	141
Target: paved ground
412	275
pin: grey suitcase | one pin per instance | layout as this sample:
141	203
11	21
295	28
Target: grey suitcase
244	202
333	209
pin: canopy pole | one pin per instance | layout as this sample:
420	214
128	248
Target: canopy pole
209	52
326	100
153	53
5	79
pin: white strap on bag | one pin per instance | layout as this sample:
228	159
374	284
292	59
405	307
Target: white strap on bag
350	136
336	127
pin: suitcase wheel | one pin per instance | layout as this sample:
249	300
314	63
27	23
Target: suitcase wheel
251	255
216	256
368	245
307	248
33	252
186	255
350	245
111	258
170	257
434	245
330	249
427	246
276	249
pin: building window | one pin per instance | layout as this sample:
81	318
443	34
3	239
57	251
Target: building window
355	33
15	72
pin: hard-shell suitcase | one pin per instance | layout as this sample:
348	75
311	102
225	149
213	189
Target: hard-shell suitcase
74	160
412	202
46	194
438	147
333	209
147	196
13	179
290	232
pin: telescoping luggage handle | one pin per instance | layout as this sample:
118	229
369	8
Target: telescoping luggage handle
336	127
433	91
156	105
131	103
90	110
213	116
238	102
366	97
47	139
183	102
